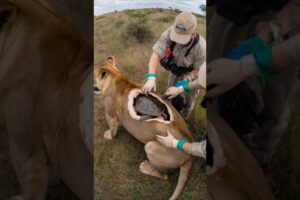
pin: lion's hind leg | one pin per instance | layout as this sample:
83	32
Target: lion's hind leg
162	159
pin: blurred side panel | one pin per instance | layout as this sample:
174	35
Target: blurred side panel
46	99
251	155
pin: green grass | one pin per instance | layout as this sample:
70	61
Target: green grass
116	163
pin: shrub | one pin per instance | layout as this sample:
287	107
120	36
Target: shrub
177	10
136	13
138	31
119	23
166	19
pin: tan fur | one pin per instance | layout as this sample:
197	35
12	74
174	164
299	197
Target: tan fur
240	177
43	63
115	88
76	12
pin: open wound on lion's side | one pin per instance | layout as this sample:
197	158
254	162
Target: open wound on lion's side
148	107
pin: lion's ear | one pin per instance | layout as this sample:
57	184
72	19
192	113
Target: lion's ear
111	60
103	74
8	13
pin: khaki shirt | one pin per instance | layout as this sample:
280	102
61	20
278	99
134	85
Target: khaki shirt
195	58
200	82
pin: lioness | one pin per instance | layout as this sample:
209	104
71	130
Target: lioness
44	67
118	93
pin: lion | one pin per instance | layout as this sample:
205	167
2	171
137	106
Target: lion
44	72
118	93
237	175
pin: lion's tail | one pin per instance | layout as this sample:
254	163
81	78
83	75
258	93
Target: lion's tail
183	176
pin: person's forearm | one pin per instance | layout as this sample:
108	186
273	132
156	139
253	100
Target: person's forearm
194	85
200	82
271	60
194	74
154	62
282	57
287	53
186	147
278	58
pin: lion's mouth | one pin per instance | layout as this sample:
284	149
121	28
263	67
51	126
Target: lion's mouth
97	90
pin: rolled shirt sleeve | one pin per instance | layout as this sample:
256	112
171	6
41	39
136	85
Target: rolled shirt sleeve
200	82
161	45
198	149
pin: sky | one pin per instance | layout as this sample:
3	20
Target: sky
106	6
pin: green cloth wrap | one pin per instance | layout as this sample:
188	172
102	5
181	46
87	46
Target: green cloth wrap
253	43
180	144
150	75
184	84
264	62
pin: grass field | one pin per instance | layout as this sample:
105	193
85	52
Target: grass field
116	163
285	169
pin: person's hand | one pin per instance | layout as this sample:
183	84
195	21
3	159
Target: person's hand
149	85
223	74
264	32
173	92
168	141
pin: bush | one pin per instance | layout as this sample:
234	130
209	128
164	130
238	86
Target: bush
166	19
119	24
177	10
136	13
138	31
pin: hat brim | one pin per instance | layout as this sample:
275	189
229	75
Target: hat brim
180	38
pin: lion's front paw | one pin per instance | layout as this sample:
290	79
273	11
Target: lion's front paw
107	135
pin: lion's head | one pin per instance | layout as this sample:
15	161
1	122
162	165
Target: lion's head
104	76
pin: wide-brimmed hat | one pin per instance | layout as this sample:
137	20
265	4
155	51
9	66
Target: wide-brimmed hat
185	24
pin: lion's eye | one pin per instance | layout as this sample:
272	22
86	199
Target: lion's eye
103	74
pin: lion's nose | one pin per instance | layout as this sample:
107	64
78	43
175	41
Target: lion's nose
96	89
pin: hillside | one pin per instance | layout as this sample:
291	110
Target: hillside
116	162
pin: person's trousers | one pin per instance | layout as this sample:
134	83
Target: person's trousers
189	97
